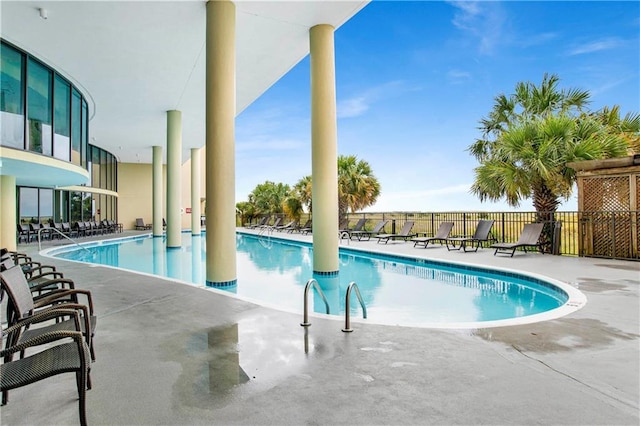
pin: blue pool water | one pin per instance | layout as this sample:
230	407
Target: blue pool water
395	290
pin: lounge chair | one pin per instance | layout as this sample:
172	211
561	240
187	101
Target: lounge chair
269	228
306	226
58	356
141	225
405	233
441	235
22	304
528	238
480	236
357	228
262	222
365	235
287	226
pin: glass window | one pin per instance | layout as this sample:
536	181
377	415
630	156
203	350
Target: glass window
46	205
28	205
61	210
39	107
11	97
84	138
61	119
88	206
103	169
95	167
76	126
75	206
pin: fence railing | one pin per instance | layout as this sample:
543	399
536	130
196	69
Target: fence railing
608	234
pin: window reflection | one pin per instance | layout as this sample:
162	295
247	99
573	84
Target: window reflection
62	119
11	97
39	107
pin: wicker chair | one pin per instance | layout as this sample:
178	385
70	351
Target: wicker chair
69	356
22	305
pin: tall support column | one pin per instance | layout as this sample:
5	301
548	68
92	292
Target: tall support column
174	161
8	212
324	151
220	143
157	192
195	191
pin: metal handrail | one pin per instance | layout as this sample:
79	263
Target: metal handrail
347	316
61	233
305	319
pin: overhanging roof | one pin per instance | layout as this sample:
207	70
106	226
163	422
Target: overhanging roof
136	60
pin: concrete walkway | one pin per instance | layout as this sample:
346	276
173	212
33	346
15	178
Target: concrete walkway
169	353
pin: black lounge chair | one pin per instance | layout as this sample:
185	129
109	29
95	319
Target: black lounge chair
57	355
481	235
262	222
357	228
141	225
441	235
306	226
405	233
528	238
286	226
365	235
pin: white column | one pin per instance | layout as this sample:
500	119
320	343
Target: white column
324	151
8	218
174	161
157	192
220	143
195	191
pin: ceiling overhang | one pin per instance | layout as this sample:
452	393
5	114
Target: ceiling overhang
136	60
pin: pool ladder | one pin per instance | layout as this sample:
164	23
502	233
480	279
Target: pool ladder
347	314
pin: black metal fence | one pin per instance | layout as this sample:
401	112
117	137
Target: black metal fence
608	234
595	234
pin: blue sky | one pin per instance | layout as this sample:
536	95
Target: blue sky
413	80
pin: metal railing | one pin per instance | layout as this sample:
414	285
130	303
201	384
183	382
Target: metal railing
566	232
305	317
347	306
61	233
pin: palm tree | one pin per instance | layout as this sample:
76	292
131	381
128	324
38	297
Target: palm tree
302	191
529	137
357	186
627	127
268	197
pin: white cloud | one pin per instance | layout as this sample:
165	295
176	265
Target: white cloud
537	39
482	20
457	76
596	46
352	107
358	104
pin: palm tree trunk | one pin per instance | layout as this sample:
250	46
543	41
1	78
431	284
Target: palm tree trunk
546	204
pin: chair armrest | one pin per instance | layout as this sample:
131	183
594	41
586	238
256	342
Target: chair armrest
43	316
53	298
61	283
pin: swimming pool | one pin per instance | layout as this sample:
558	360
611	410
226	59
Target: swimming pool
396	290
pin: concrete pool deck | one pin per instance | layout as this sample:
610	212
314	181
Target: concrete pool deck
169	353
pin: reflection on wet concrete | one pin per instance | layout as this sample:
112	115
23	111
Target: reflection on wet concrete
595	285
561	335
234	360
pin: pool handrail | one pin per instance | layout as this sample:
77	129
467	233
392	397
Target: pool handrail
312	282
61	233
347	317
